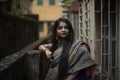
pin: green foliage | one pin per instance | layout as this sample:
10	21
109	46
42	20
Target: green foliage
17	12
67	3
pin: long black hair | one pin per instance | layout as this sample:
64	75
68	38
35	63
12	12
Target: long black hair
66	46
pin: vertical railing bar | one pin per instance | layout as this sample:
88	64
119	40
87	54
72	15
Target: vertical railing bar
101	41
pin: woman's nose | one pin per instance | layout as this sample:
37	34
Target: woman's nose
63	29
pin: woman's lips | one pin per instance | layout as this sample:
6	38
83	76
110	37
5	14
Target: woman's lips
63	33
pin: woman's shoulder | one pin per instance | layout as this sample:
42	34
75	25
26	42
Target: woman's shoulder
76	41
84	45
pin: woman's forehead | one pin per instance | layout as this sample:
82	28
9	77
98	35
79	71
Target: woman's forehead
62	23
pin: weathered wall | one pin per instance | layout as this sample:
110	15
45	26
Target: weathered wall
20	66
16	33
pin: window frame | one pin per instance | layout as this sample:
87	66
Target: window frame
40	2
51	2
41	26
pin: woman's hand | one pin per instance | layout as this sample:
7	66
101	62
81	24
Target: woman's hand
45	48
48	53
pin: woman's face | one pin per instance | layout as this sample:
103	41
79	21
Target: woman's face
62	30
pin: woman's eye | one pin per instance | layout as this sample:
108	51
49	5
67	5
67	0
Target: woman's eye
60	27
66	27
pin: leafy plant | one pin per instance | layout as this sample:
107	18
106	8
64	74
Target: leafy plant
17	12
67	3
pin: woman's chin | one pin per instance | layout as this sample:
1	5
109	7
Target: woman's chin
63	36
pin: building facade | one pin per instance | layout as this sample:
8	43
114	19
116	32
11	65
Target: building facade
74	7
48	11
99	25
17	7
20	7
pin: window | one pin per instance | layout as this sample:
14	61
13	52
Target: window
109	43
49	24
41	26
40	2
52	2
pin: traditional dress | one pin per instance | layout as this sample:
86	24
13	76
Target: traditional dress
79	61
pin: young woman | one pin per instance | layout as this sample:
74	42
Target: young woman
70	60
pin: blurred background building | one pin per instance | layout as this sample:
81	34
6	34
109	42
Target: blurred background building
48	11
17	7
99	25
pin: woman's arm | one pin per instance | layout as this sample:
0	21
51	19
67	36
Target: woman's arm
72	76
45	48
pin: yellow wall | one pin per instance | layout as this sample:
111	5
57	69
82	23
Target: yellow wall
46	13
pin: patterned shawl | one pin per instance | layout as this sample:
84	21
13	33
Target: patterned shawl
79	60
